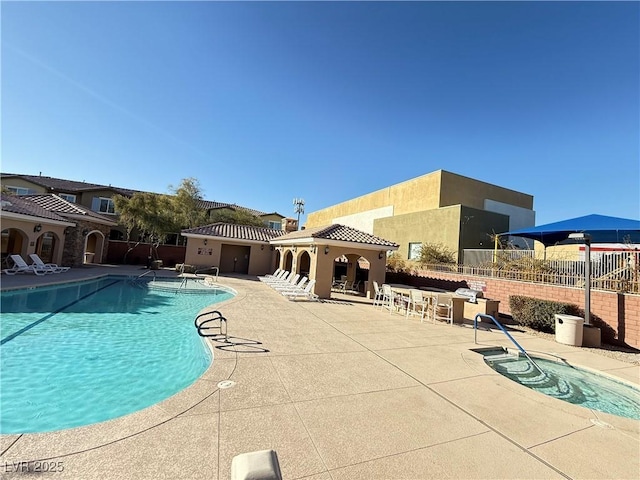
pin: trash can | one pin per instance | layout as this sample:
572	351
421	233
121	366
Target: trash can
569	329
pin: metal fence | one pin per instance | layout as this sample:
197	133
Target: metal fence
616	271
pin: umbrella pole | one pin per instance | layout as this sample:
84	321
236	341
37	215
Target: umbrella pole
587	281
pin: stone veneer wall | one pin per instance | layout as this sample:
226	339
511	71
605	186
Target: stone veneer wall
73	250
618	314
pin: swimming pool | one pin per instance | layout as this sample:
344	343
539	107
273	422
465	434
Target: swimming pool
91	351
571	384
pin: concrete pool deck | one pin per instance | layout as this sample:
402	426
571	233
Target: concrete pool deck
342	390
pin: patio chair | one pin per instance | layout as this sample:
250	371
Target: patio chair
344	286
377	298
305	293
417	304
20	266
443	308
388	298
46	266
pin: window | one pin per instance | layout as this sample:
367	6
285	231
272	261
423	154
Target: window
102	205
68	197
415	250
275	225
21	190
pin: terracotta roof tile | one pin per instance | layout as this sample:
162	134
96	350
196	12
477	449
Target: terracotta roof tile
341	233
211	205
62	185
22	206
63	207
240	232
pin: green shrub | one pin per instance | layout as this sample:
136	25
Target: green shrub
395	263
538	314
436	253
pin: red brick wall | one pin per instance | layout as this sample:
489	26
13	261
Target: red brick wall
617	313
169	254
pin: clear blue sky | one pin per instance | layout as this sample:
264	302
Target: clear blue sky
264	102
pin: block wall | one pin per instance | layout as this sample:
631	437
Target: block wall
617	313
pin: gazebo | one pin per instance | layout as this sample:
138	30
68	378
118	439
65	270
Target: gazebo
313	251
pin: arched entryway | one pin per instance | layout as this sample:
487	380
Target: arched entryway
47	246
94	246
14	242
288	261
304	264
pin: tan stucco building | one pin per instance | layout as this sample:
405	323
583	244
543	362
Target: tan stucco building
250	250
439	208
58	231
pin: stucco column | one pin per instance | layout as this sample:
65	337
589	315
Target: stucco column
377	273
322	272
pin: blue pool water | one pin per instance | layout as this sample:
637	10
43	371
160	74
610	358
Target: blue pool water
572	385
92	351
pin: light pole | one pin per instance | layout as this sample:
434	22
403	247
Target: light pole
298	208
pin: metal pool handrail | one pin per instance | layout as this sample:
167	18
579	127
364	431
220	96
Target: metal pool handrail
524	352
153	272
215	269
216	316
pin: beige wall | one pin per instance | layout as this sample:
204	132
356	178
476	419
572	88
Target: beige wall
260	259
19	182
427	192
457	189
420	193
438	226
30	238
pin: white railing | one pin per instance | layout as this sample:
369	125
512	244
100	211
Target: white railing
616	271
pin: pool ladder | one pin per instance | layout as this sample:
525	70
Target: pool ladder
183	283
522	350
216	322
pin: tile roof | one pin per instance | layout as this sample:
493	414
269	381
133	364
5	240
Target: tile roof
61	185
212	205
63	207
240	232
341	233
19	205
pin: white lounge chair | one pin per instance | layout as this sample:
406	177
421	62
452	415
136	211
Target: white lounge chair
291	282
282	276
292	288
270	275
20	266
304	293
46	266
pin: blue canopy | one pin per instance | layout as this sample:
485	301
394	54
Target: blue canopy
601	228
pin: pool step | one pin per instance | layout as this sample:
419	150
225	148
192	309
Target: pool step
502	357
